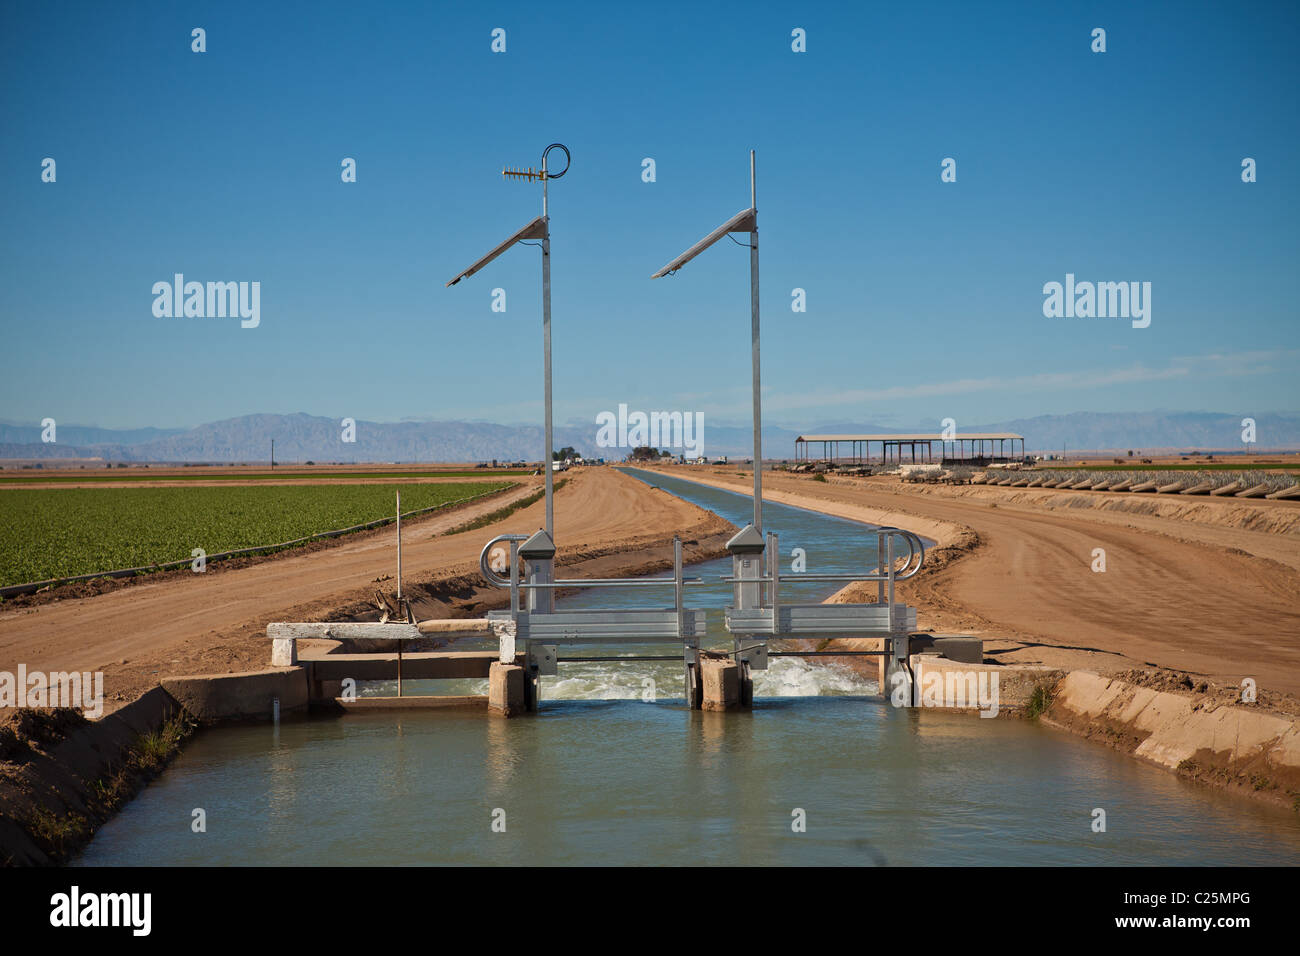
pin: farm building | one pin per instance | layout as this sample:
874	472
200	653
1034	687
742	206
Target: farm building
977	448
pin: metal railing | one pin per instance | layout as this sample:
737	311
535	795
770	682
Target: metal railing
886	575
886	572
678	582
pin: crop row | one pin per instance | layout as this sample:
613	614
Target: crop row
1245	484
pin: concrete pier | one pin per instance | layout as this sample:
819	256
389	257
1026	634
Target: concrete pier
722	685
506	690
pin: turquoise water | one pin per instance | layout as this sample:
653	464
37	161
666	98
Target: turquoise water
601	776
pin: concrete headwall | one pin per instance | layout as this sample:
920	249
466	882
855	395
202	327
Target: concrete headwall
250	695
1230	745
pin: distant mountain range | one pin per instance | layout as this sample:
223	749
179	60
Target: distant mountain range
301	437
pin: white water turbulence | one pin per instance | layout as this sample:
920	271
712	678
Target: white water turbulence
795	677
652	681
638	680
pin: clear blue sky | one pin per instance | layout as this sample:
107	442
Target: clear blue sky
924	298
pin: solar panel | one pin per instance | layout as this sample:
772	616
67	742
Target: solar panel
534	230
744	221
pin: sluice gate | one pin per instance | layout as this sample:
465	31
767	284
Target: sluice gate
532	633
534	640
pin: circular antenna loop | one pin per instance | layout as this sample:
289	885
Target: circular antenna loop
567	160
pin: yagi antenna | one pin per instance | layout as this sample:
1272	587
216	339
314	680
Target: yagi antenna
544	173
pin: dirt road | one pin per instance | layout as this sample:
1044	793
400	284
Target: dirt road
1211	588
215	622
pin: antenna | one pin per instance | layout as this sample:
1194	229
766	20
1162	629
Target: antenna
539	228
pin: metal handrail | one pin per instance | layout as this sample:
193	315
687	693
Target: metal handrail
690	643
914	545
915	548
886	574
499	580
487	570
610	583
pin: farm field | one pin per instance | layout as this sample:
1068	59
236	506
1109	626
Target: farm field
63	532
69	476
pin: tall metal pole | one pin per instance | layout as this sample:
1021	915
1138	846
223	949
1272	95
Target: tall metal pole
753	307
546	338
537	229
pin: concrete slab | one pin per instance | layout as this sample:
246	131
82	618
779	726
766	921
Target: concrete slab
215	698
955	647
1012	684
419	665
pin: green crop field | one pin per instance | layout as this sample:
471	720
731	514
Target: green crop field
86	477
63	532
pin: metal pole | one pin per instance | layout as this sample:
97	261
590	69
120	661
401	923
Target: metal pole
546	347
753	308
399	588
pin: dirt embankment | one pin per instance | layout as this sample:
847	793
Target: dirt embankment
62	776
606	523
1221	521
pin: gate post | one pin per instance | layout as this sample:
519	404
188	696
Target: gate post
746	562
538	553
898	687
746	549
693	683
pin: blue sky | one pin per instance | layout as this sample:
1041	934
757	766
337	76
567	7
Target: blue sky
924	298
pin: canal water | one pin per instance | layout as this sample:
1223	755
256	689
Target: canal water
615	770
